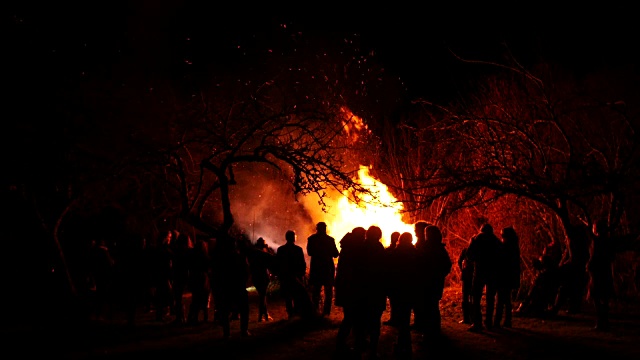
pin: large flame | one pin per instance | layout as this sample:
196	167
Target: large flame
380	208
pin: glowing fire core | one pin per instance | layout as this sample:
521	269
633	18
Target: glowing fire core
380	208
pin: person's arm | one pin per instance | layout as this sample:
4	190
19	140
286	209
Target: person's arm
311	251
336	253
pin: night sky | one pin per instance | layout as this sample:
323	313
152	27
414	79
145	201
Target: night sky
144	41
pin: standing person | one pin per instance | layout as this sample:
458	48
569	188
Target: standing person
346	289
437	265
508	276
419	307
131	274
393	243
180	266
403	263
261	262
322	249
101	272
199	282
371	297
161	277
466	277
573	270
601	273
483	253
292	268
230	271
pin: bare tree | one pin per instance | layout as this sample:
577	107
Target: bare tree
568	143
291	120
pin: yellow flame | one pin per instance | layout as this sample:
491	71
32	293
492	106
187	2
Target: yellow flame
381	209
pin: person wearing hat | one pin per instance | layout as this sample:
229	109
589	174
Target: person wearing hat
322	249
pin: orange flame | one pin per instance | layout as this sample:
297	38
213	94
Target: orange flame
380	208
353	124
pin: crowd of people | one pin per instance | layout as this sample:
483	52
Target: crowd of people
364	278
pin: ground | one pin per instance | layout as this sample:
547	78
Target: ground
564	336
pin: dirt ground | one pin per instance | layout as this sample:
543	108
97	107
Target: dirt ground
562	337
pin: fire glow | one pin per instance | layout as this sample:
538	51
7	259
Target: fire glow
379	208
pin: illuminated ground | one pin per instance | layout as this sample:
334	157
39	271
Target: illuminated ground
560	338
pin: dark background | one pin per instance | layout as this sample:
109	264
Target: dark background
144	41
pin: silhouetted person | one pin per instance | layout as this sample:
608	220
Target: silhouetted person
483	252
261	261
199	282
601	273
292	268
101	272
346	289
322	251
420	305
161	275
403	264
436	262
508	276
131	274
180	266
230	270
371	297
393	243
573	271
541	298
466	278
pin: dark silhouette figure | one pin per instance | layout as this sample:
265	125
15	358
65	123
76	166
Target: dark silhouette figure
436	263
322	251
292	268
393	243
420	305
199	282
130	264
346	289
180	265
230	272
541	298
403	263
371	297
601	273
101	277
161	275
483	252
508	276
466	277
261	261
573	271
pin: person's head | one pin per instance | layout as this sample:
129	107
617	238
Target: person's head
374	233
359	233
321	227
260	243
419	228
433	234
395	236
509	234
486	229
290	236
405	239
